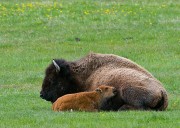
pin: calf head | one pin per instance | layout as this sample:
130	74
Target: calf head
57	81
106	92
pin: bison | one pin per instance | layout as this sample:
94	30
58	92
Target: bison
137	88
85	101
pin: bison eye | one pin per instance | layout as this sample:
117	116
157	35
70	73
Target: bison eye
59	83
106	88
50	79
62	87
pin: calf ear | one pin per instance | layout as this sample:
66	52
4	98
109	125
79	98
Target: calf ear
98	90
56	66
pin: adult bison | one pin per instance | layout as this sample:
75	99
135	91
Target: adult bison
137	88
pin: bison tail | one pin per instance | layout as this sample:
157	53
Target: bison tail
163	103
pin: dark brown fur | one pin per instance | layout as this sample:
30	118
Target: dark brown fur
84	101
137	88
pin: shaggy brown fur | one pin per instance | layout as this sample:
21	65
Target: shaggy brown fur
84	101
137	88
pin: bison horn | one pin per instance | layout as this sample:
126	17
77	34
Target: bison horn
56	65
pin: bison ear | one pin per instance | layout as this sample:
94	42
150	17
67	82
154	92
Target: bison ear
56	66
98	90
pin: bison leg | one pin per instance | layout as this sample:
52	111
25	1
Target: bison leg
127	107
130	107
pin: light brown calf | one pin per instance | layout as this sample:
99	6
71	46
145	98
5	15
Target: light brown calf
85	101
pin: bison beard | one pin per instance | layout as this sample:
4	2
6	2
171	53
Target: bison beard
137	88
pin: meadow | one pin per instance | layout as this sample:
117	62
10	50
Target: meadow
32	33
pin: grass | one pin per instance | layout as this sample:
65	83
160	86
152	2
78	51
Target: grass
32	33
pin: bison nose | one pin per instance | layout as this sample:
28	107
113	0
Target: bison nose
41	94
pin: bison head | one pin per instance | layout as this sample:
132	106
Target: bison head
57	81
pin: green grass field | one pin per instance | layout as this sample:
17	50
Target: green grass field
32	33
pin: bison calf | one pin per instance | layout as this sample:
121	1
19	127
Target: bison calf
85	101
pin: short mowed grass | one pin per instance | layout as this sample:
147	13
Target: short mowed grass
32	33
